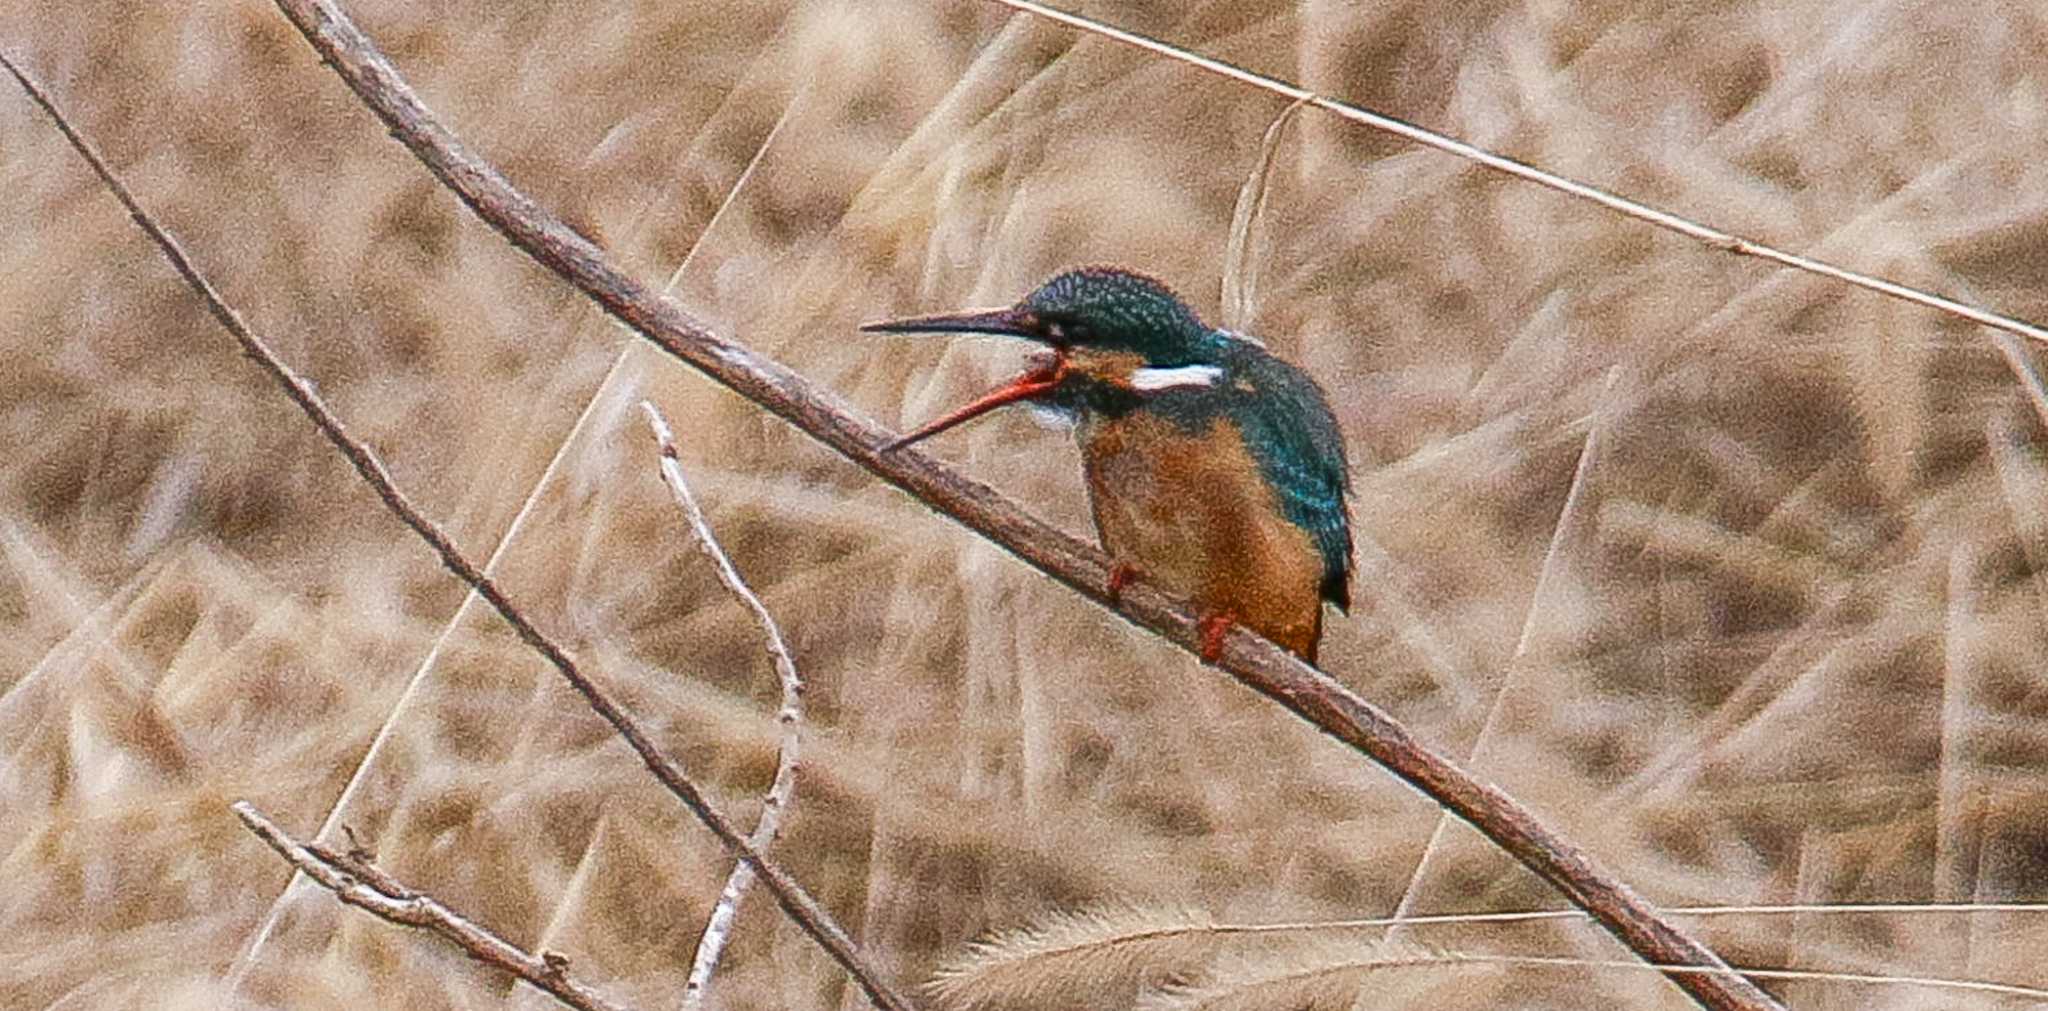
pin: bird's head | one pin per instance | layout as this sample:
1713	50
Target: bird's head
1109	335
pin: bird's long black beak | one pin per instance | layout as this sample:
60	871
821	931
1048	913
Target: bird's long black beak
1007	322
1044	375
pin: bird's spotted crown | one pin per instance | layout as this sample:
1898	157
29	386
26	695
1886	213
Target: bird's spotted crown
1112	308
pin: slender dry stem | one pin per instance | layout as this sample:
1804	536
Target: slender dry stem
1983	986
355	882
1707	234
790	717
1259	664
1240	266
1571	519
805	910
1042	959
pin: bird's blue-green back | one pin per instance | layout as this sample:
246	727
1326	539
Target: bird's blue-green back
1290	430
1287	426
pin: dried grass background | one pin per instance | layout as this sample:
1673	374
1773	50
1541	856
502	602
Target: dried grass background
1735	575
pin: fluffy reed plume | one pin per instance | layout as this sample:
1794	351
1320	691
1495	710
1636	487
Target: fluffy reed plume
1170	959
1310	966
1326	973
1100	958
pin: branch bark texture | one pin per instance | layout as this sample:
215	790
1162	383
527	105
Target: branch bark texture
801	907
1258	664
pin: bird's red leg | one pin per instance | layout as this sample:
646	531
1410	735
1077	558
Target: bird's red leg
1120	576
1212	628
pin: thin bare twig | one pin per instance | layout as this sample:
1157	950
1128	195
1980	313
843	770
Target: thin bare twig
1258	664
1707	234
801	907
790	717
354	881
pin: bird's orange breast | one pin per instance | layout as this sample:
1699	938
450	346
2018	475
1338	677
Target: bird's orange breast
1191	513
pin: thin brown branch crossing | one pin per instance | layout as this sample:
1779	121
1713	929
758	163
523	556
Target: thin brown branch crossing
1255	662
798	903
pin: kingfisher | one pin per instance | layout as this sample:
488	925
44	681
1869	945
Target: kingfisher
1214	469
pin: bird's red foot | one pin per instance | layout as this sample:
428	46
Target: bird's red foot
1212	628
1120	576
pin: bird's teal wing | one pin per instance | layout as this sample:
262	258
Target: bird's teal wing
1291	431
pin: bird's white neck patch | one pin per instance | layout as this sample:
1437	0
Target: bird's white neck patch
1050	416
1154	380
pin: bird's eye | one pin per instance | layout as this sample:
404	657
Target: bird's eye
1055	331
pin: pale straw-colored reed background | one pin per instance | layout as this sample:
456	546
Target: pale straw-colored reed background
1735	575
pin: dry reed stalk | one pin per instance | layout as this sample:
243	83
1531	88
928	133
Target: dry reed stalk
1174	959
1703	233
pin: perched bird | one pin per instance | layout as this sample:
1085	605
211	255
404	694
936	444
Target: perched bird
1215	470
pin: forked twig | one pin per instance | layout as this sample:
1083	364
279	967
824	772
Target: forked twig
798	903
790	717
354	881
1255	662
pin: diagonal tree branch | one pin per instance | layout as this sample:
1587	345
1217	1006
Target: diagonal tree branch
1253	661
798	903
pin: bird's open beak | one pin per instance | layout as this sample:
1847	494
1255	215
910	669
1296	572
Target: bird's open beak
1044	375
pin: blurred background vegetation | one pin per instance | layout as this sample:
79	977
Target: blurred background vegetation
1733	574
